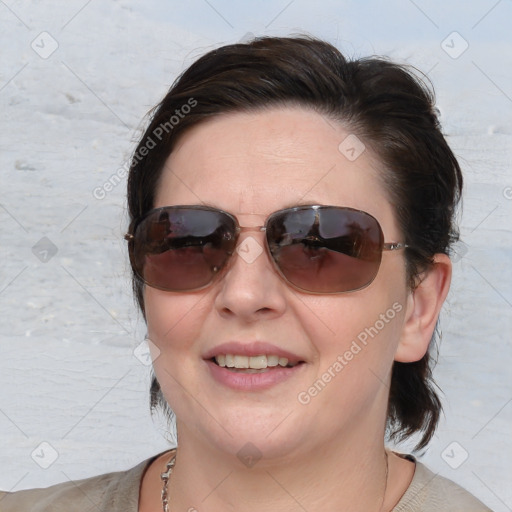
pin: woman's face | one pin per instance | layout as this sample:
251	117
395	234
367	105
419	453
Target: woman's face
252	164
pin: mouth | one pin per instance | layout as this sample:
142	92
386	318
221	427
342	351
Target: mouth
253	364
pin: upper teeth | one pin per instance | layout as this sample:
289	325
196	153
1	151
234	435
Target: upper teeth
255	362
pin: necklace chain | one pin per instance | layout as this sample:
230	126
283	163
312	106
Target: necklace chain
165	479
385	482
167	474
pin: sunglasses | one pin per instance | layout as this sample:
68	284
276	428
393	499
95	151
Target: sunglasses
315	249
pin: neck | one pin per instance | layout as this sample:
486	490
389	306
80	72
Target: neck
350	474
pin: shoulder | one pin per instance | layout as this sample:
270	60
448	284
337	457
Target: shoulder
111	492
430	492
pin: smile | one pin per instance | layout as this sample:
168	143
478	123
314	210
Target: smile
258	362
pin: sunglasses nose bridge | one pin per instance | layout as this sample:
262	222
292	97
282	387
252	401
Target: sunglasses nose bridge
240	230
250	246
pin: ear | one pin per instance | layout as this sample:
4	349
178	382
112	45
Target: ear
422	311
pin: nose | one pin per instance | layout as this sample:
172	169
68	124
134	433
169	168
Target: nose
251	289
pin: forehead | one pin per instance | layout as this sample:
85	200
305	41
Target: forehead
259	162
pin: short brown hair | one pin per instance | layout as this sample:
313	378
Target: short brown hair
384	104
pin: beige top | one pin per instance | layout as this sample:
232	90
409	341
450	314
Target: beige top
119	492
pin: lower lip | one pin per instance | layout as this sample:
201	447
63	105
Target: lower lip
252	381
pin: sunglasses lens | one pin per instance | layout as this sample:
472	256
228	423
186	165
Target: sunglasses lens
326	249
180	249
321	249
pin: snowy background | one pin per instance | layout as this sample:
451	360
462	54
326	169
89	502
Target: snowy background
76	80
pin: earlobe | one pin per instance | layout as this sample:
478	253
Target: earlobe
422	311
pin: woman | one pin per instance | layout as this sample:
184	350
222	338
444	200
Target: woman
291	219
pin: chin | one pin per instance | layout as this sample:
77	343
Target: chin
256	435
251	447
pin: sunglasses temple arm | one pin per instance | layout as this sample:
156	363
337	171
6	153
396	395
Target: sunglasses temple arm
394	246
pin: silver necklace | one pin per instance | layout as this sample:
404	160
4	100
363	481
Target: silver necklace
165	479
385	482
167	474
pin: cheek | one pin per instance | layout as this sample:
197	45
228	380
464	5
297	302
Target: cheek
360	331
355	361
172	319
173	325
